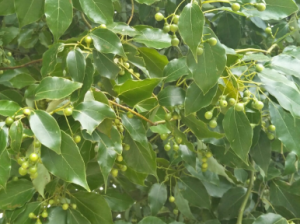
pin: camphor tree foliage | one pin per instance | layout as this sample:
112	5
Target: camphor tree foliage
149	112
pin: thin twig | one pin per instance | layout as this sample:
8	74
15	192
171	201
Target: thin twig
85	21
22	66
132	111
132	11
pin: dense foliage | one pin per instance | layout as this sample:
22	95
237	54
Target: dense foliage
149	112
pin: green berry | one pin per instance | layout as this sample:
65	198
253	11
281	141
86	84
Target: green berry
123	168
119	158
166	28
9	54
74	206
223	103
88	40
245	99
212	41
77	138
26	112
102	26
33	176
239	107
270	136
51	202
32	170
204	165
25	165
33	157
129	115
37	144
213	124
159	17
9	121
272	128
174	28
117	121
259	67
44	214
21	160
68	111
65	206
171	199
259	105
247	93
22	171
175	147
31	215
168	116
235	7
260	7
175	211
208	154
178	140
122	72
175	19
231	101
126	147
114	172
199	51
167	147
208	115
268	30
204	159
163	136
175	42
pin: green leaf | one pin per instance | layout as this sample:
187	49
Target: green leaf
105	41
16	194
190	25
157	197
182	204
50	59
117	201
22	80
270	218
287	129
46	130
23	217
210	64
285	91
194	191
94	207
291	164
175	69
135	177
87	81
239	132
171	96
42	179
59	16
56	215
15	134
140	157
229	30
105	65
196	100
29	11
76	65
99	11
153	37
199	128
91	113
5	162
75	217
134	91
55	88
6	7
8	108
147	2
261	152
151	220
155	62
109	148
69	165
231	202
276	9
123	29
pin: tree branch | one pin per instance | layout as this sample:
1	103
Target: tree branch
132	12
22	66
85	21
132	111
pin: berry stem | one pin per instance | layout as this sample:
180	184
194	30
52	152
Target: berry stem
85	21
132	12
22	66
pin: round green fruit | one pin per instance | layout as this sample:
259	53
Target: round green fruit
171	199
25	165
239	107
9	121
178	140
65	206
259	105
167	147
175	147
33	176
232	101
208	154
77	138
33	157
259	67
22	171
163	136
102	26
212	41
175	42
21	160
119	158
44	214
26	112
129	115
260	7
204	165
175	211
213	124
68	111
223	103
114	172
168	116
166	28
235	7
88	40
159	17
31	215
268	30
208	115
122	72
199	51
37	144
126	147
270	136
74	206
272	128
173	28
123	168
32	170
175	19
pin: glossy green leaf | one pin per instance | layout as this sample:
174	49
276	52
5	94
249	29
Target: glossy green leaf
134	91
270	218
23	217
55	88
94	207
285	91
91	113
75	217
287	129
135	177
76	65
105	65
171	96
155	62
199	128
175	69
118	201
22	80
210	64
196	100
15	134
42	179
4	160
191	22
239	132
46	130
56	215
291	164
99	11
182	204
151	220
6	7
194	191
261	152
229	30
50	59
8	108
108	149
231	202
59	16
157	197
69	165
139	157
123	29
153	37
16	194
29	11
147	2
87	81
106	41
